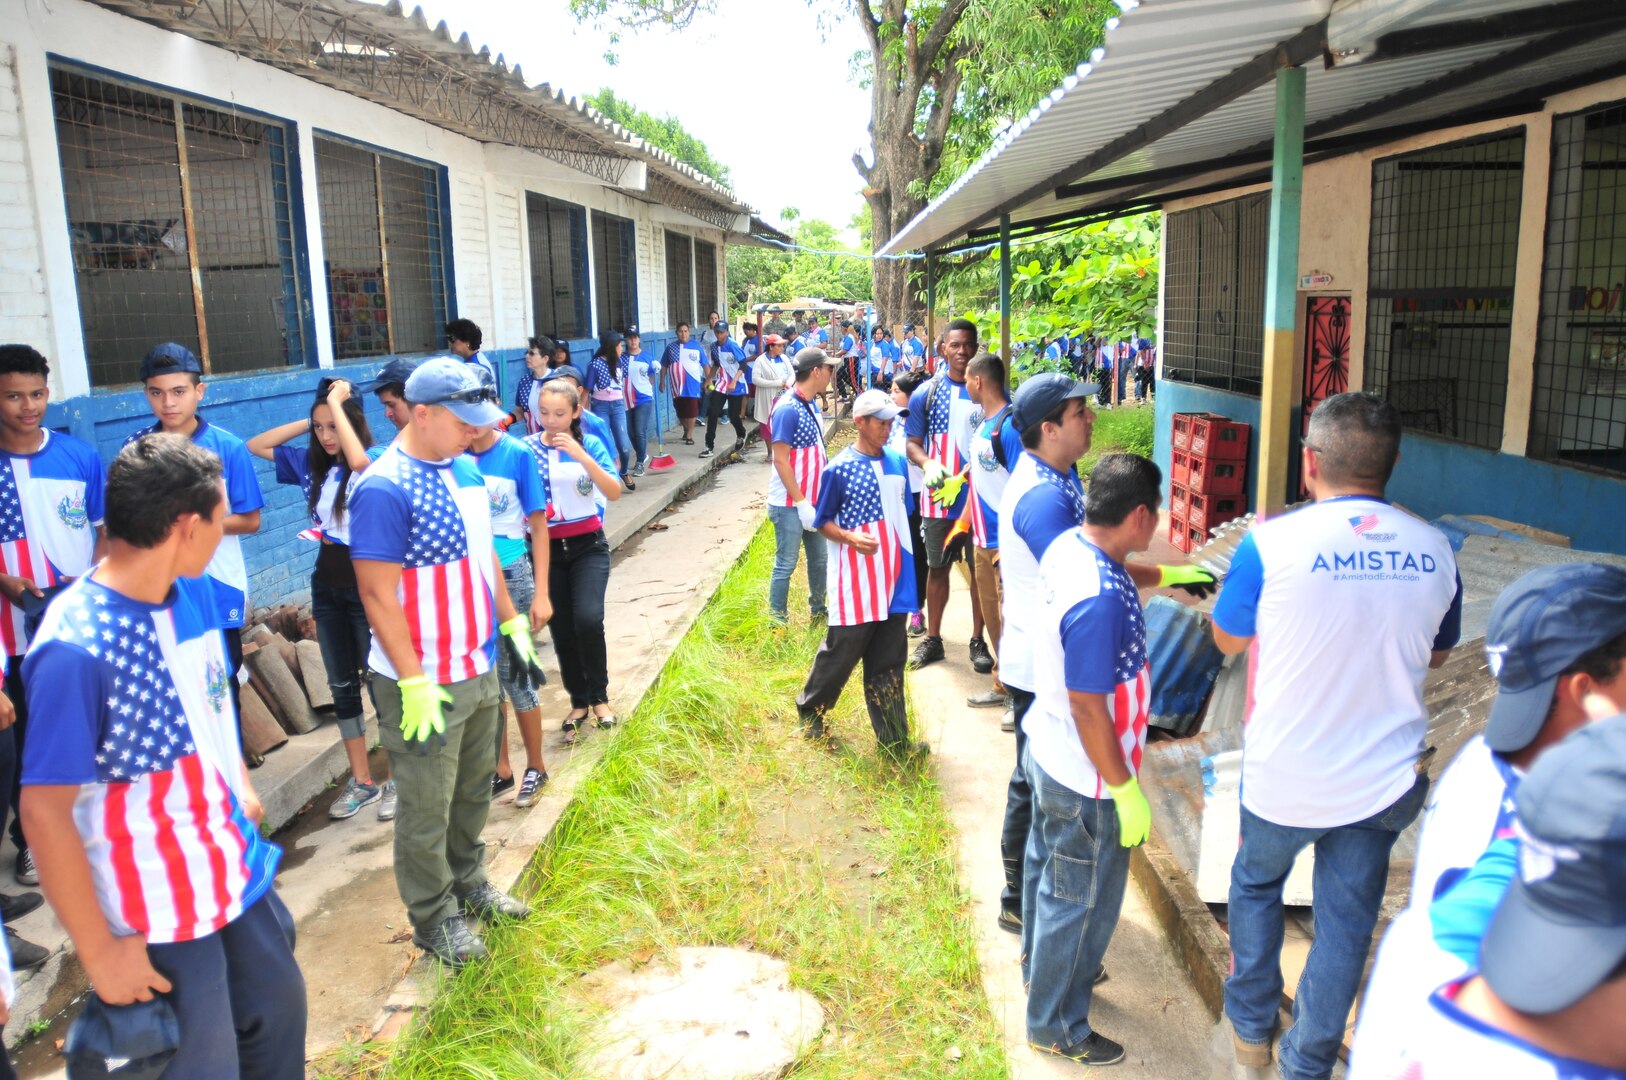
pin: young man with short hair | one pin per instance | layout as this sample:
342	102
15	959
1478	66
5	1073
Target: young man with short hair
729	390
463	338
432	583
1086	732
797	444
145	823
996	447
390	389
683	369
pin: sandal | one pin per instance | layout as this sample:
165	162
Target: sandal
688	442
574	726
607	721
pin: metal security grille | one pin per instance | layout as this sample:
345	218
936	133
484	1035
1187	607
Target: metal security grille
1578	412
558	238
1445	235
615	272
381	232
179	219
1213	330
679	279
706	294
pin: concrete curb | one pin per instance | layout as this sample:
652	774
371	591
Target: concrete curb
1185	919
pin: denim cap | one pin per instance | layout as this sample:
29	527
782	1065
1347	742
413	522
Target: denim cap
1043	394
449	382
170	358
396	372
1539	626
131	1042
1560	930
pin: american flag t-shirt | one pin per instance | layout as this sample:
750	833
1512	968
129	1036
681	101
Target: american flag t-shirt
434	519
944	420
50	506
798	424
138	699
868	495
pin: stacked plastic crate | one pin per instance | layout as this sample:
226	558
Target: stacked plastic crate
1208	476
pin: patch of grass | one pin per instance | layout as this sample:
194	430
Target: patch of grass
1126	429
709	821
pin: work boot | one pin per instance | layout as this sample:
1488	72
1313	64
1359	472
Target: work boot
15	907
451	941
929	651
25	955
982	661
488	904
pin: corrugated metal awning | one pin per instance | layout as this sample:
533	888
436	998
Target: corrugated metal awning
1179	98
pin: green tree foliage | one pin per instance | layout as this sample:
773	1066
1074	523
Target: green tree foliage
662	131
767	275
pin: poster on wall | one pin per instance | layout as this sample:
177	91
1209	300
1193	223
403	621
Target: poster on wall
360	312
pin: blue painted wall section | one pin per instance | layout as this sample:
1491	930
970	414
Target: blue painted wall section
1436	477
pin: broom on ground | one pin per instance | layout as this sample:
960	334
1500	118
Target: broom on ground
661	461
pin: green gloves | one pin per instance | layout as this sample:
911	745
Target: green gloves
949	490
1134	813
516	640
932	474
1193	579
420	711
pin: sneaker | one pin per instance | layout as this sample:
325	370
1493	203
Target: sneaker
354	796
929	651
1010	921
487	903
982	661
15	907
707	452
387	801
1007	722
25	872
500	784
452	941
25	955
917	624
535	780
1095	1050
638	469
988	699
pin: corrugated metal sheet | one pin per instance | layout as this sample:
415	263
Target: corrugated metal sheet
1184	661
1161	52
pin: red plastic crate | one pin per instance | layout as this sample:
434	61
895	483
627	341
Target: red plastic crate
1217	437
1180	467
1195	538
1206	512
1182	430
1216	476
1179	500
1178	534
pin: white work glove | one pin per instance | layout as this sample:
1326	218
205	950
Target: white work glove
804	510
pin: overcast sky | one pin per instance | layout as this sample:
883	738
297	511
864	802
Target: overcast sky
705	77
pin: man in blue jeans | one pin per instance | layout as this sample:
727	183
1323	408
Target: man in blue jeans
1351	601
796	427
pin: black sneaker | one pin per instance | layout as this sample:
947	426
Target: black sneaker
982	661
500	784
25	955
487	904
15	907
530	787
25	873
1095	1050
452	941
1010	921
929	651
707	452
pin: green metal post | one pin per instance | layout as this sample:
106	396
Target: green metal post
1005	287
931	303
1281	292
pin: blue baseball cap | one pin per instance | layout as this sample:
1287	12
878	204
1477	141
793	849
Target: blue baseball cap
566	371
1540	625
1043	394
396	372
135	1041
448	381
1561	928
170	358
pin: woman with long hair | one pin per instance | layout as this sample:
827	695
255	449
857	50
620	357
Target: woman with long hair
607	394
576	472
326	470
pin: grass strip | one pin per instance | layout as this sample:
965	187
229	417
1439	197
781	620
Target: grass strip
709	821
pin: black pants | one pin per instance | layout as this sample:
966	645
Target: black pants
11	756
1013	839
882	647
920	557
578	575
734	405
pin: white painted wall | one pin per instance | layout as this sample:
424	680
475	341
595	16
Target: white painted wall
25	313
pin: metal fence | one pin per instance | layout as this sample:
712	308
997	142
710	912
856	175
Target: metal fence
1213	331
615	272
558	240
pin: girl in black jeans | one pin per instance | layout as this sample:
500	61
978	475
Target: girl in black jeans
576	470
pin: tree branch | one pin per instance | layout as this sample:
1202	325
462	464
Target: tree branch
942	27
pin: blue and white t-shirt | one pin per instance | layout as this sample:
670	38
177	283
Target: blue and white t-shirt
1040	504
573	500
227	569
730	361
604	380
50	508
989	478
642	372
515	490
481	360
1090	639
1348	598
686	362
292	464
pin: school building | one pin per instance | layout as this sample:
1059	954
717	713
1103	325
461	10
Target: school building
283	186
1421	198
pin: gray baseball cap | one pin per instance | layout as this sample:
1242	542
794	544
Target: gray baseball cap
809	359
448	381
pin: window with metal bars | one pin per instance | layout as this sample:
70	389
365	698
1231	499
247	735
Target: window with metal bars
1213	331
180	222
680	280
381	235
558	239
1445	236
706	297
615	272
1578	410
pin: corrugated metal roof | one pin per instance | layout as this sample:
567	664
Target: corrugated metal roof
1160	53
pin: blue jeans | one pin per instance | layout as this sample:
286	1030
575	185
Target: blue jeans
345	639
1351	870
789	536
641	428
521	582
1074	874
614	413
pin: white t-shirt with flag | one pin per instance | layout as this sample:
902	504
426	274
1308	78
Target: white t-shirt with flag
50	507
138	699
575	504
990	479
945	435
434	519
514	492
1347	598
1090	638
798	423
868	495
1039	505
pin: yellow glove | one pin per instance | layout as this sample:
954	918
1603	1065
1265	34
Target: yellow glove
1134	813
521	649
948	491
1192	579
420	711
933	474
